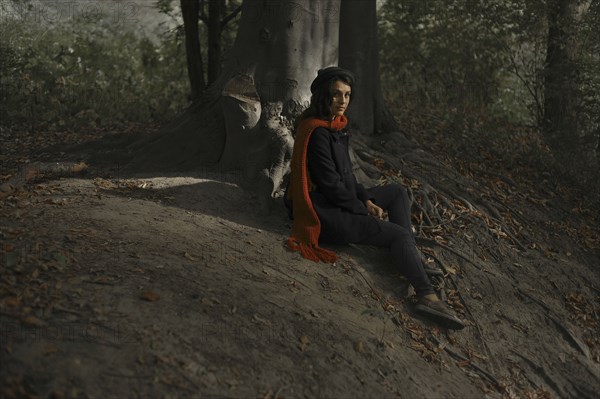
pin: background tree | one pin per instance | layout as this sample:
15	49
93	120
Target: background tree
190	10
562	72
359	53
194	11
466	68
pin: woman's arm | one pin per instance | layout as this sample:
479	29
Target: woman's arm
324	174
362	193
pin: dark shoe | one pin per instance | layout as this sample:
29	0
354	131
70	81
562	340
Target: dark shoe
430	269
440	313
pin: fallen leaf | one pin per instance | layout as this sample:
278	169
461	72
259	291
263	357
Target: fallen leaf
190	257
12	301
150	296
304	341
50	349
56	201
78	167
31	173
359	347
476	295
33	321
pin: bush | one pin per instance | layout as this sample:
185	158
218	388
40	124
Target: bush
87	72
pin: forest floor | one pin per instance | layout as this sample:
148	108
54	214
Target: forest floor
165	285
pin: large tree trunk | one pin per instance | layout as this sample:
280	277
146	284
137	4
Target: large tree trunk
278	50
245	118
244	121
359	52
561	92
190	10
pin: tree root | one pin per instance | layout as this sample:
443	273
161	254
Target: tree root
466	307
430	208
428	242
566	332
492	218
431	200
470	363
499	230
539	370
504	178
38	170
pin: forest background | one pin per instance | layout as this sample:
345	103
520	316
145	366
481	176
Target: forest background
473	71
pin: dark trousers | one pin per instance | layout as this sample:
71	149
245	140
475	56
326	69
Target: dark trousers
397	235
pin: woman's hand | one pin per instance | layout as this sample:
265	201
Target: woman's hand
375	210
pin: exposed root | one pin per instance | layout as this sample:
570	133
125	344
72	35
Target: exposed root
38	170
469	362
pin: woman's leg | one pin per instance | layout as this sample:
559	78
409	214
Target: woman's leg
405	256
393	198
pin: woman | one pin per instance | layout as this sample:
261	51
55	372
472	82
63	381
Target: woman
330	206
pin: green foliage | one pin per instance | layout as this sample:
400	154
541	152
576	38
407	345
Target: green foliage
430	55
476	70
489	54
464	54
87	71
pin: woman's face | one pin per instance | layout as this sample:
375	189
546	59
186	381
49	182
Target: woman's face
340	98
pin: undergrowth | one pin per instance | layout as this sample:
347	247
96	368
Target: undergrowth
87	73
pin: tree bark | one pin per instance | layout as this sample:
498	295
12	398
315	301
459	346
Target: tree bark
215	11
561	73
279	48
190	10
359	53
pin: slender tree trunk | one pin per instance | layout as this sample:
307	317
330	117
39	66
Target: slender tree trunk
190	10
561	73
215	12
359	52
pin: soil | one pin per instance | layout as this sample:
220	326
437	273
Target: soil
178	285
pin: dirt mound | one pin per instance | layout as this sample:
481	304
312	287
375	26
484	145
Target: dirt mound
180	286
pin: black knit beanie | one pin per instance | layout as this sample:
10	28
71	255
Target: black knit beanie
328	73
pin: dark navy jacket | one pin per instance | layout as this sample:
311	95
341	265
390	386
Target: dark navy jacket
338	198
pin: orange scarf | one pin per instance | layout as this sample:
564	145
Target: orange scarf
307	227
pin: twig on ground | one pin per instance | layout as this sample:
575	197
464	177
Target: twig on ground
428	242
470	363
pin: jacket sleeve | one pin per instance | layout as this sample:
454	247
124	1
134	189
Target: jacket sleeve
362	193
324	174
